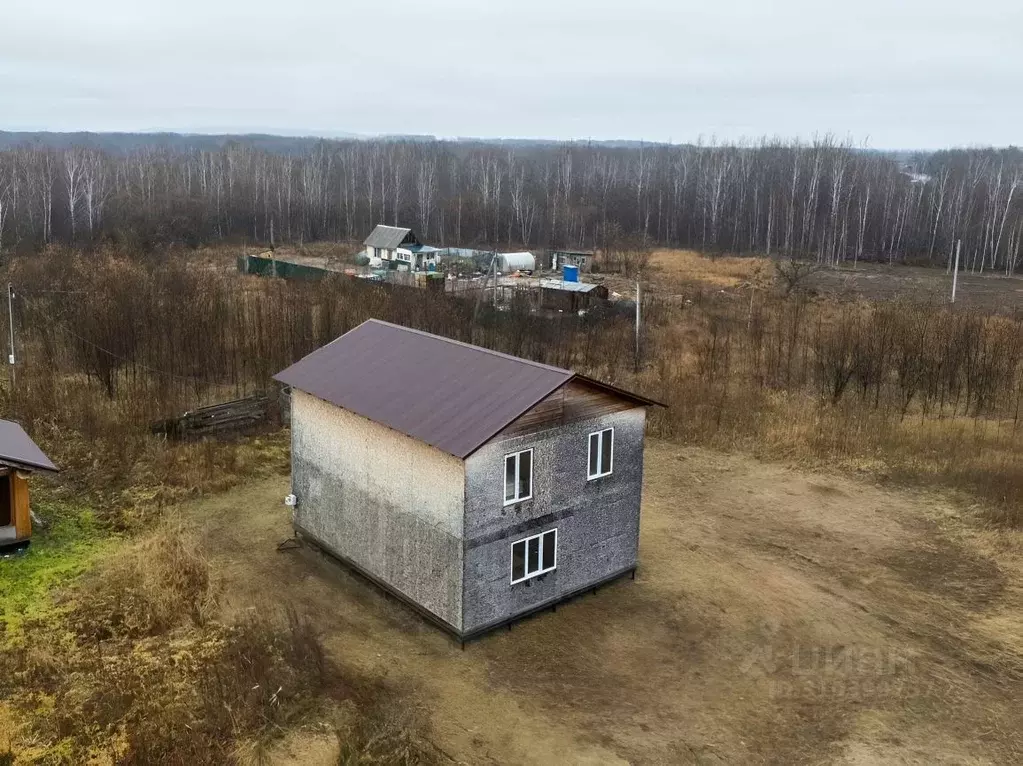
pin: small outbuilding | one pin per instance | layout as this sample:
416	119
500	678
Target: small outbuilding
557	295
19	458
495	488
581	259
510	262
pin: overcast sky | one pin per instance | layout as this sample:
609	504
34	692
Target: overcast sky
888	73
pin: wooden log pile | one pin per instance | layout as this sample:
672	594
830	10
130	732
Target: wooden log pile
228	417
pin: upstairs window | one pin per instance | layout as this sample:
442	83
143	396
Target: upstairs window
534	556
602	449
518	476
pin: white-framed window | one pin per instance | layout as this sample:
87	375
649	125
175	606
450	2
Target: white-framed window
534	556
518	476
602	453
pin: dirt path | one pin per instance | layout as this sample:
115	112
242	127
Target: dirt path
777	617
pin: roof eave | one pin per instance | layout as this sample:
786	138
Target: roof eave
642	401
472	451
639	399
23	465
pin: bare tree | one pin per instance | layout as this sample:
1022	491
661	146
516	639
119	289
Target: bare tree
793	274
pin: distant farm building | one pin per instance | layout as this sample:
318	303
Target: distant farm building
384	242
558	295
497	488
399	247
508	263
19	457
581	259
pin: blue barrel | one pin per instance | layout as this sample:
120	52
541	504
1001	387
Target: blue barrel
570	273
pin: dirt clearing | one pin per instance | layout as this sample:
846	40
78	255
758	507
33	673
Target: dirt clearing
672	270
777	616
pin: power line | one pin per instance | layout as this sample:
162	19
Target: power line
133	362
106	351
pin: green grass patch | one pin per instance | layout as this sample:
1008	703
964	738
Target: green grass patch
70	543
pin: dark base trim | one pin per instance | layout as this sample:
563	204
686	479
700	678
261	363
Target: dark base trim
347	563
551	604
14	546
460	636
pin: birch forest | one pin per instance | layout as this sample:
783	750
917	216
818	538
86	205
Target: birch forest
825	201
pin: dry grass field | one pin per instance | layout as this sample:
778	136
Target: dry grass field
668	267
778	617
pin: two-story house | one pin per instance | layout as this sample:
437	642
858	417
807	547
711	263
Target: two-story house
489	488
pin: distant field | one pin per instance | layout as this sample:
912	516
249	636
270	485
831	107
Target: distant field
991	291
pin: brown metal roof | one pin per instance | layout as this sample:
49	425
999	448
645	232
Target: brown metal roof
451	395
16	448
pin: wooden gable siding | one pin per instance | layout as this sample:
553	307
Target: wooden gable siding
545	414
575	401
583	401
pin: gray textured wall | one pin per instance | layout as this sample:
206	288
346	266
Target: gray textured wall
389	503
597	521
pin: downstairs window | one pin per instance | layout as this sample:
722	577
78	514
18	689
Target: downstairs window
534	556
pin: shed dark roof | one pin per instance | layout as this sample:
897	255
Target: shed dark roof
569	287
451	395
16	448
387	237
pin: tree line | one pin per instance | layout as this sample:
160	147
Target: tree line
827	201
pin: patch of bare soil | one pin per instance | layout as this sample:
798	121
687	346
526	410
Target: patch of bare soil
988	291
778	617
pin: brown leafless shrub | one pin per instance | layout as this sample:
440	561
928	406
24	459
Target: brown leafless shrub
793	274
838	349
621	253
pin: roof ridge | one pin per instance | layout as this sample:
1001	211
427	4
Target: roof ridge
471	346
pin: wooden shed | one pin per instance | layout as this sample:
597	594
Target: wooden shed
19	458
583	259
557	295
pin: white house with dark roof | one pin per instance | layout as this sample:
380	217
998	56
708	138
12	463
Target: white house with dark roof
496	488
397	245
385	241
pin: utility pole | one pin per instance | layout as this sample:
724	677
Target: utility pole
955	274
483	288
10	325
638	299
